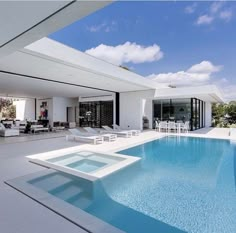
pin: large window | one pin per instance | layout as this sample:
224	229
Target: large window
180	110
96	114
197	114
172	109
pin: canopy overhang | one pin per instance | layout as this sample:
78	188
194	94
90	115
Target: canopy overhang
49	68
207	93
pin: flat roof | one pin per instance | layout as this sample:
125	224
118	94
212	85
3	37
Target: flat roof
33	20
208	93
49	68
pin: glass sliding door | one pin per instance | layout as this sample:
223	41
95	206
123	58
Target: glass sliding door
197	114
180	110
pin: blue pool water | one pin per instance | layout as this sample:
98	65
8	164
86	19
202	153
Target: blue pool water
182	184
86	165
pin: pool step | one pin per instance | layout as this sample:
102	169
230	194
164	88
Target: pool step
66	191
66	161
81	200
51	182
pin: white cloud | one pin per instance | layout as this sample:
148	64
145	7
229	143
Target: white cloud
226	15
105	27
198	74
204	19
216	10
127	52
191	8
227	89
205	67
229	92
216	6
96	28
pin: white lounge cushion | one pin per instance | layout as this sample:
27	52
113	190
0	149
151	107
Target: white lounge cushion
2	127
9	132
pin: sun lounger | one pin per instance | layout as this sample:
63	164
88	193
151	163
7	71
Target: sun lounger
107	136
122	133
133	131
76	135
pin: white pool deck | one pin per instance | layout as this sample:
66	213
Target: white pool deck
20	214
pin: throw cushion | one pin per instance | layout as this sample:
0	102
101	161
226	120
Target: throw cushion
7	126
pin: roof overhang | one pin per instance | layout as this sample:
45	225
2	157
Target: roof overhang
207	93
23	22
49	68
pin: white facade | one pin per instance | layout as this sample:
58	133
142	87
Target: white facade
208	114
65	77
134	106
60	106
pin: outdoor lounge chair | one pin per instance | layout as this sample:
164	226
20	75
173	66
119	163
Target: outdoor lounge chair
107	136
133	131
121	133
76	135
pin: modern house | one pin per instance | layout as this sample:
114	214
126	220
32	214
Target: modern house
103	181
55	82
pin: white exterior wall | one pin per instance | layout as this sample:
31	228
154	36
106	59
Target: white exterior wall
133	106
148	111
60	105
25	109
208	114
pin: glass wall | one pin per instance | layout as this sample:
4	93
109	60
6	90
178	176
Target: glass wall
197	114
180	110
96	114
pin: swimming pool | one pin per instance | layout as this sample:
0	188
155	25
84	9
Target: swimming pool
181	184
186	182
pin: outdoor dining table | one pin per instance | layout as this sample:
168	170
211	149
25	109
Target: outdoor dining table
177	125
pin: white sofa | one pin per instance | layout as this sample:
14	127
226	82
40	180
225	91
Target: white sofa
4	132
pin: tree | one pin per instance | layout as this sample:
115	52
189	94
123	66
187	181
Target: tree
4	103
218	112
7	109
224	114
231	110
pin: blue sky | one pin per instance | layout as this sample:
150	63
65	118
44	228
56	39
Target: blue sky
182	43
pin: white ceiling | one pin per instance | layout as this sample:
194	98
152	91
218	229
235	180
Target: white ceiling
18	16
13	85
